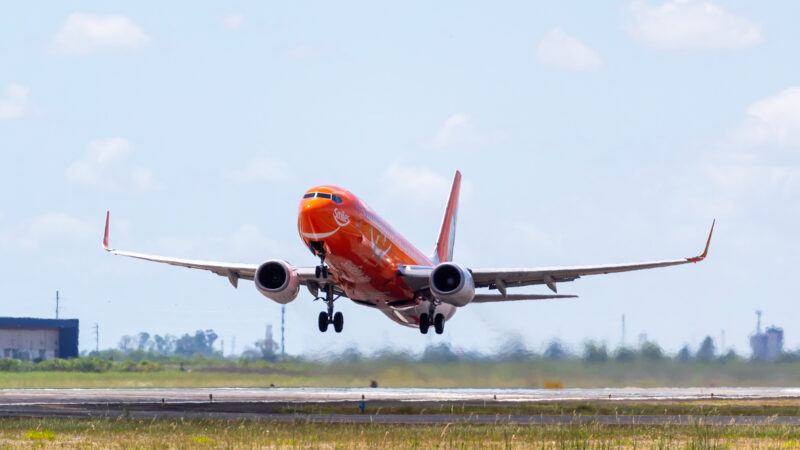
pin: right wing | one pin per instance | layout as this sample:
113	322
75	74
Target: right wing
418	277
233	271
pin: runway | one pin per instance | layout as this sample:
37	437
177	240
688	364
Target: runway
283	404
312	395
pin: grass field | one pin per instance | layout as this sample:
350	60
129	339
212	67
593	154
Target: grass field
172	433
477	374
776	407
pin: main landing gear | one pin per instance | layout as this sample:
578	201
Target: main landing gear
431	318
328	317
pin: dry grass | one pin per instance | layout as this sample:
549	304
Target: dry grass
171	433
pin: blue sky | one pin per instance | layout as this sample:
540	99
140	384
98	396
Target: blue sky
586	132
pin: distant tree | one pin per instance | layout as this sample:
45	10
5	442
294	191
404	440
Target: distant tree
202	342
164	345
350	355
143	341
651	351
125	344
513	349
267	349
707	351
624	354
728	357
684	355
439	353
594	352
556	351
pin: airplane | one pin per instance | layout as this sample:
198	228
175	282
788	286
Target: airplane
364	259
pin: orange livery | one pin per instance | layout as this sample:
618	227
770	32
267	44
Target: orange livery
361	257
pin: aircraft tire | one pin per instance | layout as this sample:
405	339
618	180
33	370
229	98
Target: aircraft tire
323	321
424	323
438	323
338	322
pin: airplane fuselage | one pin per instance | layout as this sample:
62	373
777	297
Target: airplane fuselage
363	253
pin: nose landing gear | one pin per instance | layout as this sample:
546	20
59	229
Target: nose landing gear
328	317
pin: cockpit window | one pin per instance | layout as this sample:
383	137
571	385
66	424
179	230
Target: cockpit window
335	197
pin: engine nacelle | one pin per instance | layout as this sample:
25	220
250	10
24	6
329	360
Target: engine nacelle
278	281
451	283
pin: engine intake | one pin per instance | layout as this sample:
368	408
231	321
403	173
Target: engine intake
278	281
451	283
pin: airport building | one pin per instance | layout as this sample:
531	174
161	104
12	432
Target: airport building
30	339
766	346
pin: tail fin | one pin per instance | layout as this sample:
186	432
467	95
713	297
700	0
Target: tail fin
447	235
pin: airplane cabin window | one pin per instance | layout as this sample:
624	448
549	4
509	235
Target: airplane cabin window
309	195
323	195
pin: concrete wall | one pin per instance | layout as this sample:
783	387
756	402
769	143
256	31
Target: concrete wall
29	344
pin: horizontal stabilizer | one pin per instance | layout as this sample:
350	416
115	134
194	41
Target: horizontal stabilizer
486	298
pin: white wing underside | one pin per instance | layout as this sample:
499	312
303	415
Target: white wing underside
418	277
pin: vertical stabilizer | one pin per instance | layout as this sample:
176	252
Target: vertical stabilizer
447	235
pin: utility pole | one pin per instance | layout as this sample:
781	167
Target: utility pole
283	323
56	304
758	323
623	330
97	338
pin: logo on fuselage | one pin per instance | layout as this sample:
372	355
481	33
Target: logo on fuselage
341	217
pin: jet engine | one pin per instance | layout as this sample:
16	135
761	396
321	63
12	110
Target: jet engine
278	281
451	283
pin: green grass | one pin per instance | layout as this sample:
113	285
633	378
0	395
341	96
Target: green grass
780	407
205	433
531	374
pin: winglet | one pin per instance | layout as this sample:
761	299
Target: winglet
105	236
705	252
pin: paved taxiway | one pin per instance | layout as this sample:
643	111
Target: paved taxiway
311	395
272	404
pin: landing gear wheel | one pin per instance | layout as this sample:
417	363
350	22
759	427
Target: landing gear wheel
323	321
321	272
318	271
424	323
325	272
438	323
338	322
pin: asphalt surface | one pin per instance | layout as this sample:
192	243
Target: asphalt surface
231	412
272	404
312	395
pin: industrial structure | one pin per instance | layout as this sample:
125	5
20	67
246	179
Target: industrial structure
766	346
30	339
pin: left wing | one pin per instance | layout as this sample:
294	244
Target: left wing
233	271
500	279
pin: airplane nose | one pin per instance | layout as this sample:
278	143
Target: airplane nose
315	216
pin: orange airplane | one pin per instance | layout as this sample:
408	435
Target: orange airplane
364	259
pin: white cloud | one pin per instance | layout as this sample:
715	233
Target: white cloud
103	166
16	105
420	184
773	120
261	168
85	33
457	131
51	228
691	24
233	20
562	51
